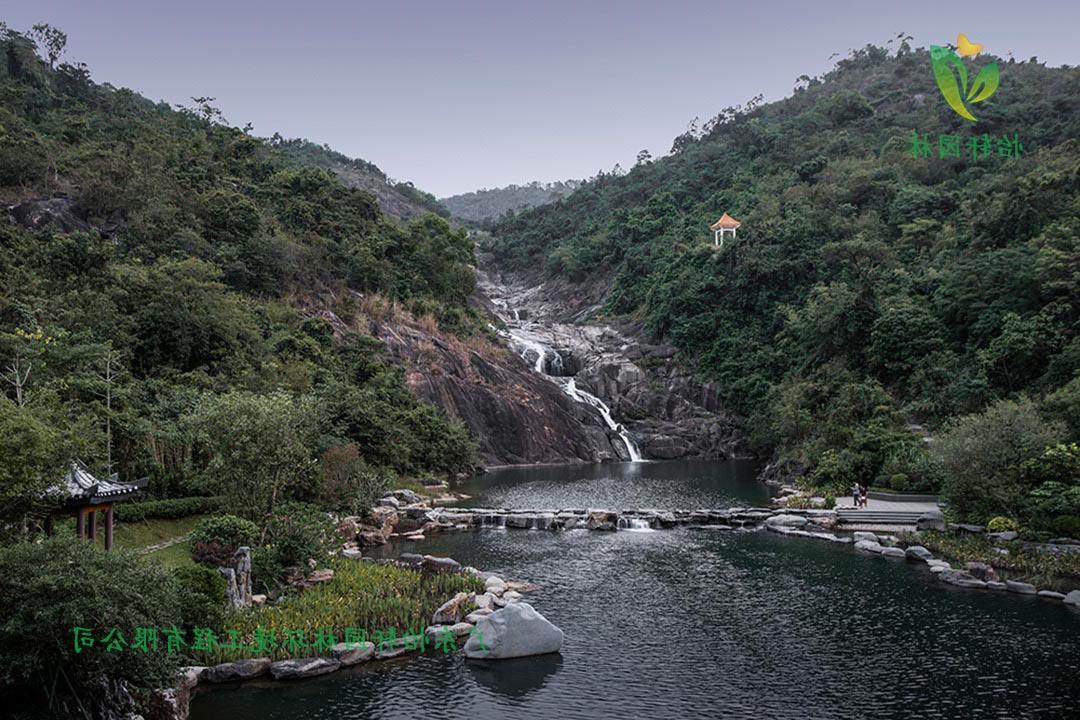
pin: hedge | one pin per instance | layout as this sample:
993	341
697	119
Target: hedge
171	508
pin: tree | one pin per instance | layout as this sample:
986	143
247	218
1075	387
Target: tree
50	40
257	448
982	457
31	462
644	157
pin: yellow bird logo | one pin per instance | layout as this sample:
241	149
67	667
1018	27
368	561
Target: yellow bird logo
966	48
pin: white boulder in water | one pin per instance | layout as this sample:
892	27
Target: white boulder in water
516	630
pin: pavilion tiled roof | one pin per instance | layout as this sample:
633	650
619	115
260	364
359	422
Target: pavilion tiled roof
82	486
725	222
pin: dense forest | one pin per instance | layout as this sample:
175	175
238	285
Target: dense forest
482	206
170	288
897	266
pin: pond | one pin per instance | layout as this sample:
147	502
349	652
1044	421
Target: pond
699	624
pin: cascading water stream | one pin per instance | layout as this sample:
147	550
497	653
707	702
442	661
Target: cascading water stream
580	395
528	347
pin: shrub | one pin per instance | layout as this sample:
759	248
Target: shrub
297	532
1067	525
168	509
1001	524
899	482
226	530
347	483
982	456
202	597
213	554
266	569
50	587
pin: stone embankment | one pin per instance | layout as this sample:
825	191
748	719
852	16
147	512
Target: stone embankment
493	624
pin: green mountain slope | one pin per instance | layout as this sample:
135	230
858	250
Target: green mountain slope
870	287
161	269
489	204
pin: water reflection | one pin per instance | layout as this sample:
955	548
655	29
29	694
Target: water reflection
515	679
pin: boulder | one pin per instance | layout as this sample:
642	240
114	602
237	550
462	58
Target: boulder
412	559
968	528
932	520
868	546
872	537
785	520
351	554
495	585
1072	598
319	576
486	601
1022	588
1051	595
918	552
405	497
370	538
389	502
348	527
258	600
57	214
961	579
893	552
348	654
602	520
238	670
507	597
995	585
303	668
516	630
937	563
1005	536
475	615
461	629
450	611
440	564
981	571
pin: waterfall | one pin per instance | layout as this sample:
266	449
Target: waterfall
527	345
588	398
633	524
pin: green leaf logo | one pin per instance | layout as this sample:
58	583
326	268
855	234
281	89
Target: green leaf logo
952	79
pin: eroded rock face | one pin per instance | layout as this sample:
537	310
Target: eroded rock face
668	412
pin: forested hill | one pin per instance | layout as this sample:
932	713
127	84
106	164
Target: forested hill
398	199
874	282
163	274
484	205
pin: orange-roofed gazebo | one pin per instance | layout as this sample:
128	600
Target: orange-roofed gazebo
725	224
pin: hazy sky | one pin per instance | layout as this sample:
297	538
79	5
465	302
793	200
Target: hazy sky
460	95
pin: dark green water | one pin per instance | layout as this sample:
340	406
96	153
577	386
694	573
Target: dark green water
703	624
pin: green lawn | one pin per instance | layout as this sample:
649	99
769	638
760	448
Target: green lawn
137	534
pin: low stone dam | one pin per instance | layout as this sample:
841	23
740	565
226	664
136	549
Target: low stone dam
442	518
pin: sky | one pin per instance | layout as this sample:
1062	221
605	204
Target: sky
460	95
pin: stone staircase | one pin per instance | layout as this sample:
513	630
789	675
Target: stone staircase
877	517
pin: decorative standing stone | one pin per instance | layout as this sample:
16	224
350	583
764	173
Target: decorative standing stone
238	579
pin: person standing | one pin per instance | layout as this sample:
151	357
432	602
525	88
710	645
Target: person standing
865	495
855	496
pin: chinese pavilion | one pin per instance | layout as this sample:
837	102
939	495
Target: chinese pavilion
85	496
726	224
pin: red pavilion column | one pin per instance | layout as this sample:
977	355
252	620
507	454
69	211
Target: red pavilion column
108	528
91	533
80	524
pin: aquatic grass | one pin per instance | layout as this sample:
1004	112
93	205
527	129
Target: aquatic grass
1039	566
367	596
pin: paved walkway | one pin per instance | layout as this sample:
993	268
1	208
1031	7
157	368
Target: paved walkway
846	503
